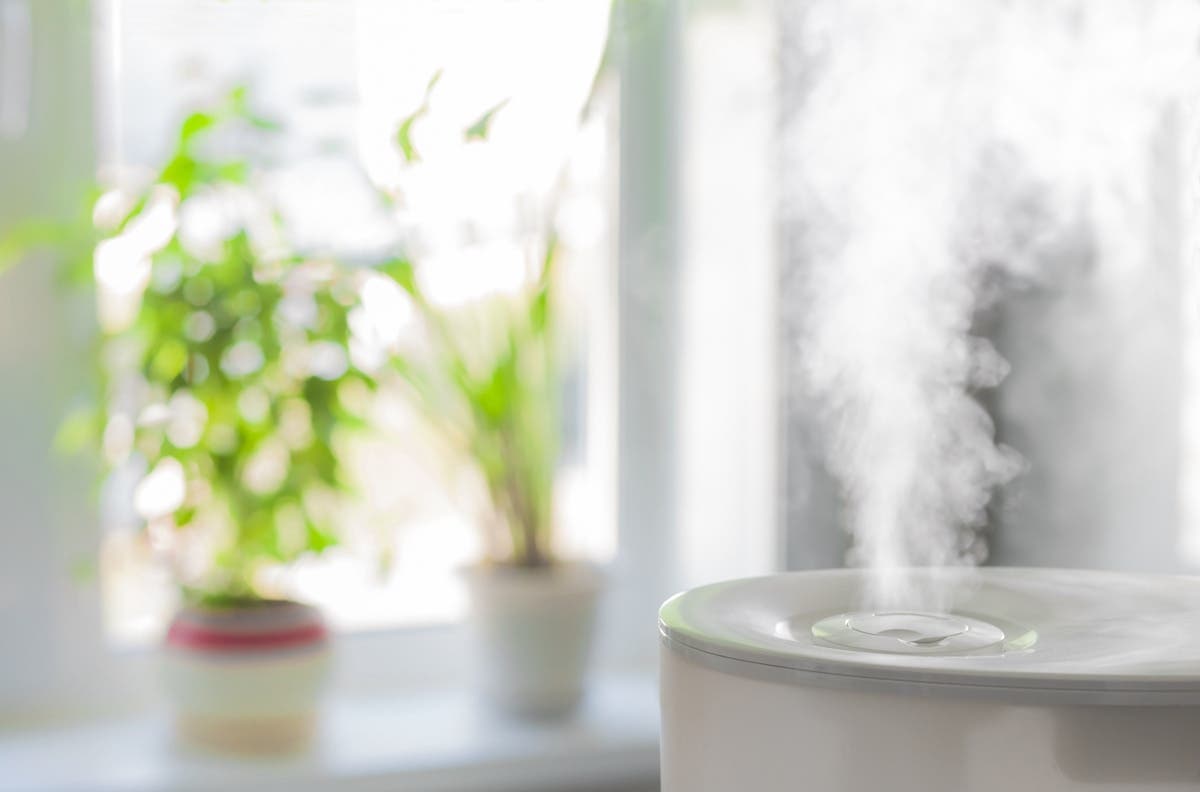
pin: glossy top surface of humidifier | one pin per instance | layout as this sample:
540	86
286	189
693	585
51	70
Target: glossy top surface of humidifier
1033	679
1072	636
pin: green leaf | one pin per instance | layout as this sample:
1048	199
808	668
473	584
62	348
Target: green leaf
237	105
234	172
193	125
482	126
402	272
168	360
404	137
180	173
81	429
404	133
238	99
539	310
319	539
265	124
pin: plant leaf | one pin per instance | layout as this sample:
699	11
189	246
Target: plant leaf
193	125
319	539
482	126
404	133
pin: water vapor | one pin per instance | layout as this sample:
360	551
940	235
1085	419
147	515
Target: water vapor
945	149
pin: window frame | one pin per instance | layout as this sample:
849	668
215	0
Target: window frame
67	635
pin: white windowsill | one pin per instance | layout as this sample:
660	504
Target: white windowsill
431	741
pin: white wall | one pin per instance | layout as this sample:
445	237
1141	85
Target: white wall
1096	397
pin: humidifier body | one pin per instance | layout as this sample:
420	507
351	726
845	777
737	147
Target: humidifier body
1095	686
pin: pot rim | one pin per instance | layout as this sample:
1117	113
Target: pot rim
264	626
562	578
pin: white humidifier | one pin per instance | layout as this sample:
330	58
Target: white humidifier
1041	680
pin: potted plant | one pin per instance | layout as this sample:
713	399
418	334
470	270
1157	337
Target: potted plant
495	399
223	380
485	373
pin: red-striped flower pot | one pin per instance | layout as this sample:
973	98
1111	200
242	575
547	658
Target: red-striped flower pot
247	679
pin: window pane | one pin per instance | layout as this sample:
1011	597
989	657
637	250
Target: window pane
340	77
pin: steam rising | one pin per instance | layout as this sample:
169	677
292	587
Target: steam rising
945	148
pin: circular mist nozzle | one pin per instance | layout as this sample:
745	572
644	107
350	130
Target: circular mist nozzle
902	632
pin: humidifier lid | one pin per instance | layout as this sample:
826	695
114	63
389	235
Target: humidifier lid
1072	636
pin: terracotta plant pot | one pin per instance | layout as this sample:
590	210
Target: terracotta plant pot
247	679
532	629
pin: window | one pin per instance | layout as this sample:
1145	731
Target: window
664	502
341	77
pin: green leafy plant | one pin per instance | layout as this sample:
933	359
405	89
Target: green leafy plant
493	394
224	366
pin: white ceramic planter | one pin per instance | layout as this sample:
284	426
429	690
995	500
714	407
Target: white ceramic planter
532	630
247	679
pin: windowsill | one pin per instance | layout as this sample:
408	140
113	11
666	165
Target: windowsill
431	741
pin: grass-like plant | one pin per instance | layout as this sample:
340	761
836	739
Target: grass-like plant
497	400
489	381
